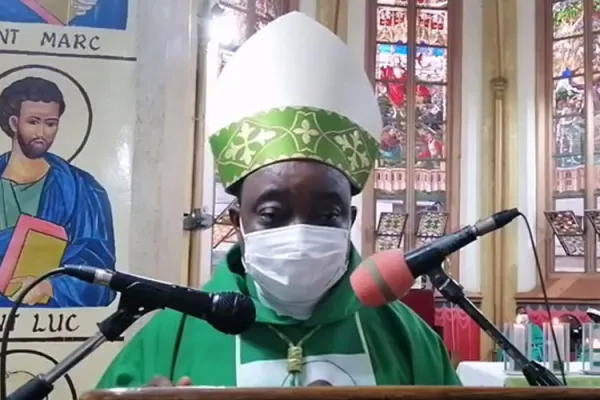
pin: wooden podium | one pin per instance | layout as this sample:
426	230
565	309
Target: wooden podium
362	393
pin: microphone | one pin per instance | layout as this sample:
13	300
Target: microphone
388	275
231	313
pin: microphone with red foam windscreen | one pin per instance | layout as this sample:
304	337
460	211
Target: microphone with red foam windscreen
387	276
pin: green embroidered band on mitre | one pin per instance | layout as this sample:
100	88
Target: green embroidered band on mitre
290	133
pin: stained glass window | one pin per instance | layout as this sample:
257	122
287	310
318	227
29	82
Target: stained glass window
411	82
574	105
242	18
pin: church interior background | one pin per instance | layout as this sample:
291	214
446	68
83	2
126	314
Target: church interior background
486	105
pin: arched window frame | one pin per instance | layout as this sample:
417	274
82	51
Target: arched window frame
566	286
452	197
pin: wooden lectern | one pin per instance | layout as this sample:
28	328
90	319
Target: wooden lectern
362	393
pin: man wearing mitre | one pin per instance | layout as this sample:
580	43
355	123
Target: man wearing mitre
295	126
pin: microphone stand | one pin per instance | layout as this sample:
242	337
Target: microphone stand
535	373
109	330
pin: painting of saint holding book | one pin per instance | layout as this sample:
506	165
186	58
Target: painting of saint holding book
51	212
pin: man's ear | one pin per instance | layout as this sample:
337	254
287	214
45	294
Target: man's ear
13	122
234	216
353	214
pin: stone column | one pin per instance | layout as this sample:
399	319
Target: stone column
167	46
499	146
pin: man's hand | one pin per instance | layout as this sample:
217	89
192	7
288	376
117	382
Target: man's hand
35	296
161	381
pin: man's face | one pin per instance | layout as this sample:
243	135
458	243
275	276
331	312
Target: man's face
295	192
36	127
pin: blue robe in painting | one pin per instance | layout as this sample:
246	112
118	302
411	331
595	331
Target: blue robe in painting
73	199
106	14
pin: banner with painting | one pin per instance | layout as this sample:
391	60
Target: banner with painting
67	115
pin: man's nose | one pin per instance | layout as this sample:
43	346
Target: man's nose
39	130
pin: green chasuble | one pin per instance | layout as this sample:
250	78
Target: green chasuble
343	343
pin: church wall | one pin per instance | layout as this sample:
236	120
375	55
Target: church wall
526	132
471	120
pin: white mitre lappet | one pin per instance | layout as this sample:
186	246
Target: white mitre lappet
293	91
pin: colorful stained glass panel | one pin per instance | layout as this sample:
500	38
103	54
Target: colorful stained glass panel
391	62
430	146
596	97
432	27
392	146
568	57
390	96
270	8
235	3
431	64
596	54
596	20
430	104
568	18
392	26
393	2
432	3
261	23
569	141
568	96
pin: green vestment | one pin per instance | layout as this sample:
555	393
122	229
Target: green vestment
17	199
343	343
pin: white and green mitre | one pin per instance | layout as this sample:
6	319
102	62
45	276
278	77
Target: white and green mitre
293	91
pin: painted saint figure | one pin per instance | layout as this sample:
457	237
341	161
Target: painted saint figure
104	14
45	190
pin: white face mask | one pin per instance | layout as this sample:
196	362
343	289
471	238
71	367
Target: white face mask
294	266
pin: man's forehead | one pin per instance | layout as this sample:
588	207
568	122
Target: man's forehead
40	108
296	171
297	174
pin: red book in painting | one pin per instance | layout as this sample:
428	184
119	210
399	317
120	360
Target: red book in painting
36	247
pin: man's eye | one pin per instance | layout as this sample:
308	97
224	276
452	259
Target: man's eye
268	214
331	216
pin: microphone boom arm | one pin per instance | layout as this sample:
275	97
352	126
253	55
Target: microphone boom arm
535	373
109	330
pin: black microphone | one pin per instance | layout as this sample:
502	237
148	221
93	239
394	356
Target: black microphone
231	313
422	260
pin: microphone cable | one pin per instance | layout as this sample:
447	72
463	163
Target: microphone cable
10	321
37	353
545	295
